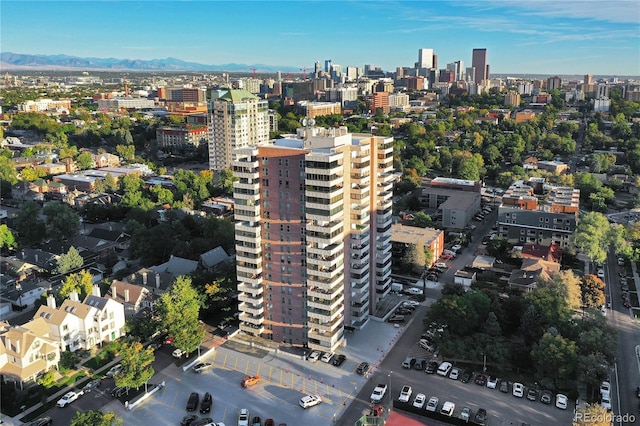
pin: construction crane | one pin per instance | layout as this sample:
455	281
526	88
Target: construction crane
304	71
254	71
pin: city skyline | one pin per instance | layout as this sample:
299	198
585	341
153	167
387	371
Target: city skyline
574	37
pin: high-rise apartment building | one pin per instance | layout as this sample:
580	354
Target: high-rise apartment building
554	83
238	118
479	62
313	221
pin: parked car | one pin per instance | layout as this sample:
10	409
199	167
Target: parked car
403	311
310	401
396	318
465	414
168	340
243	417
363	367
466	376
431	368
201	367
561	401
456	248
256	421
414	291
432	277
546	397
314	356
327	357
424	344
339	360
68	398
504	386
492	382
205	421
605	388
517	389
192	402
419	400
420	364
116	369
455	373
188	420
177	353
444	369
269	422
481	380
207	403
42	421
446	256
600	273
532	394
481	417
432	405
93	384
448	408
408	362
605	402
441	265
405	394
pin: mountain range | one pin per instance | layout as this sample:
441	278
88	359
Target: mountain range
17	61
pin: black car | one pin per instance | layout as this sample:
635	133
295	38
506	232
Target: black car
188	420
192	402
339	360
546	397
466	376
504	386
205	421
480	417
532	394
431	367
207	402
362	368
420	364
256	421
403	311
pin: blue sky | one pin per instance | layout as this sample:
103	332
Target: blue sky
522	36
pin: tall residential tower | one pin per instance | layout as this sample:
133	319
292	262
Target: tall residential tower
313	243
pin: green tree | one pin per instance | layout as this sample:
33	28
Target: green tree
95	418
61	221
81	283
31	229
422	220
566	285
69	261
110	183
179	309
8	174
555	360
136	362
85	161
31	174
591	236
7	240
128	152
592	289
48	379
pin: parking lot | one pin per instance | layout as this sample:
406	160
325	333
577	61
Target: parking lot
284	380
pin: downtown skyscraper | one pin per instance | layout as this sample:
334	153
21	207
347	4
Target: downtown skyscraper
479	63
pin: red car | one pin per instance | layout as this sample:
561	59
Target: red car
481	380
168	340
446	256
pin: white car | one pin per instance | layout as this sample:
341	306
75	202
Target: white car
413	303
444	369
405	394
310	401
465	414
441	265
600	273
456	248
314	356
605	388
424	344
413	291
518	389
243	417
455	373
561	401
432	405
177	353
419	400
492	382
448	408
327	357
68	398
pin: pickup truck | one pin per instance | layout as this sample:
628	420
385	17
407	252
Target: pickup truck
378	393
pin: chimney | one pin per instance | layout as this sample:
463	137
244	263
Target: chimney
157	280
144	278
51	301
74	296
23	255
133	278
96	290
126	295
36	257
18	346
8	342
114	293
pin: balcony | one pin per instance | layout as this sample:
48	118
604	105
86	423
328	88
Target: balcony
326	304
248	228
323	293
255	310
244	317
248	270
253	279
249	298
325	283
323	315
251	329
328	273
326	251
255	290
325	227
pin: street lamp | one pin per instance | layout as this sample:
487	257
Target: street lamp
390	392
